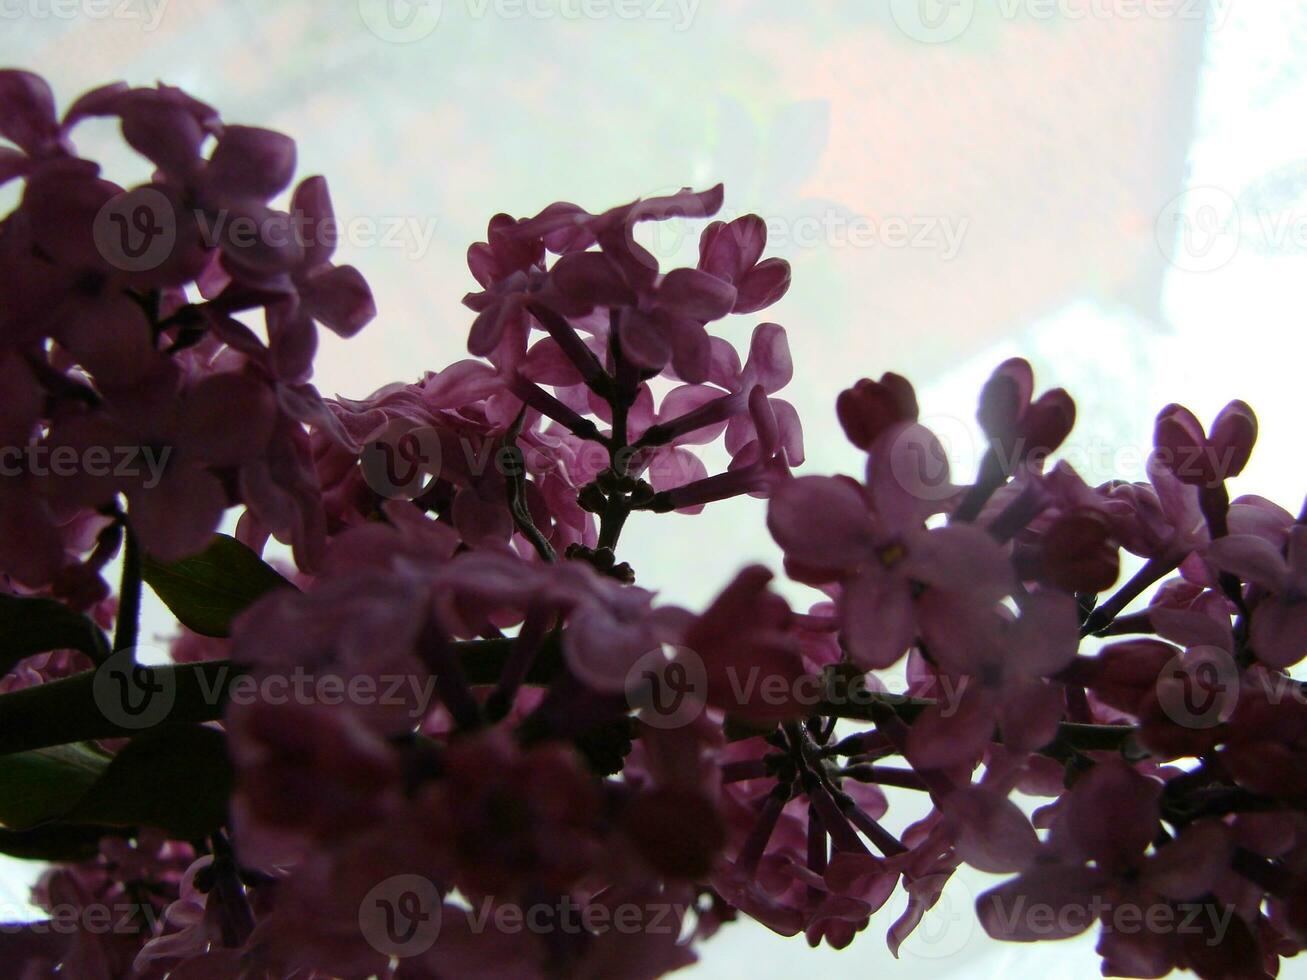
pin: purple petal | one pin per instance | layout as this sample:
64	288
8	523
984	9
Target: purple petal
312	203
1005	397
1233	434
592	279
1193	864
27	115
203	429
822	521
877	620
178	518
642	341
769	363
1047	902
1046	637
1279	631
960	558
340	299
1252	558
166	135
947	735
990	832
908	473
696	294
250	162
1113	813
764	285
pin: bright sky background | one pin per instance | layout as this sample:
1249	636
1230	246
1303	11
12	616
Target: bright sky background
1115	189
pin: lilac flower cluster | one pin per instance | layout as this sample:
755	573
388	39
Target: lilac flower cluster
542	735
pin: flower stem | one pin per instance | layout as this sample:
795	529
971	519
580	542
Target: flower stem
128	626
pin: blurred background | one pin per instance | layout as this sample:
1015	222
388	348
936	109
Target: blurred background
1114	189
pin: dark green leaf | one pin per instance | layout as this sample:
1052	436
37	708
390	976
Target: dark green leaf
178	780
67	711
207	591
54	843
47	783
30	626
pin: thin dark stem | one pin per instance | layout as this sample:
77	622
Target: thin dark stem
751	851
885	842
581	356
885	776
128	626
1103	616
517	505
546	404
989	479
443	661
618	508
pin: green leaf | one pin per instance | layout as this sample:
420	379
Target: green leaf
66	710
30	626
54	842
178	780
45	784
207	591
